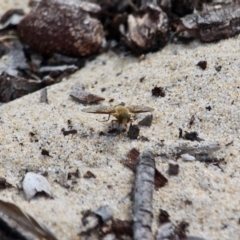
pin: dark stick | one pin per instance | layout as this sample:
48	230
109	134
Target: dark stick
144	185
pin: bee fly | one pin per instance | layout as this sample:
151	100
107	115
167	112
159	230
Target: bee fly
121	113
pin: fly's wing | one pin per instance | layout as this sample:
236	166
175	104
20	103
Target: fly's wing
99	110
139	109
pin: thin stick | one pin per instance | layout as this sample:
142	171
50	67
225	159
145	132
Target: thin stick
144	186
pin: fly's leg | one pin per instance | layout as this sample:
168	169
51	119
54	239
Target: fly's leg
105	120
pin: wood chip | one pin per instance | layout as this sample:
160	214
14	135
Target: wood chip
131	158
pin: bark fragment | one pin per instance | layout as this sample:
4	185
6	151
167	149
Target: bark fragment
213	25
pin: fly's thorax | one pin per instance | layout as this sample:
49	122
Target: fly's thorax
122	114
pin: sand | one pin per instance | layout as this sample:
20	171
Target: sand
213	191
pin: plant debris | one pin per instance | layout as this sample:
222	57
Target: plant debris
158	92
141	26
43	96
131	158
192	136
133	131
173	169
133	154
218	68
89	174
122	228
191	122
181	229
163	216
146	121
211	25
84	96
45	152
209	108
15	87
168	230
16	224
4	184
143	193
159	180
203	148
92	219
202	64
65	176
35	183
68	132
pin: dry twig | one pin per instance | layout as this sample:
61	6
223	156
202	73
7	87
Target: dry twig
144	185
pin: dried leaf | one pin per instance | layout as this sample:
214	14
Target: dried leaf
35	183
84	96
22	224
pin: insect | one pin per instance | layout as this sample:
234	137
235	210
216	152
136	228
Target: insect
121	113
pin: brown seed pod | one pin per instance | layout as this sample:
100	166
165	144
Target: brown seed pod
62	27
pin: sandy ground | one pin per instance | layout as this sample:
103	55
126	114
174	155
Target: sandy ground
213	191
